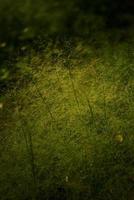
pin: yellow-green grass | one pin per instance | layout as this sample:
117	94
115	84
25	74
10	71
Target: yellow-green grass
67	133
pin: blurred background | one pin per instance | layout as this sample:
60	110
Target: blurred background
23	20
29	23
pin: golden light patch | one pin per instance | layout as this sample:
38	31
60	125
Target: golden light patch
1	105
119	138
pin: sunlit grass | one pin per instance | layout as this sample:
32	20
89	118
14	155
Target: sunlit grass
67	126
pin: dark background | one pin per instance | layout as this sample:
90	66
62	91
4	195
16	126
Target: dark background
24	22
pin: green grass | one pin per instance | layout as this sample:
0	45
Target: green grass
67	126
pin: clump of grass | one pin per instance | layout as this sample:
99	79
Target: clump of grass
69	128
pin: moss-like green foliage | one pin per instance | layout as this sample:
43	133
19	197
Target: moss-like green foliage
67	126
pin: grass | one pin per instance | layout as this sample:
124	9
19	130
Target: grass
67	126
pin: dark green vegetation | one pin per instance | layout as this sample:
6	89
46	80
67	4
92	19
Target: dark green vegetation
24	21
67	100
67	125
30	24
